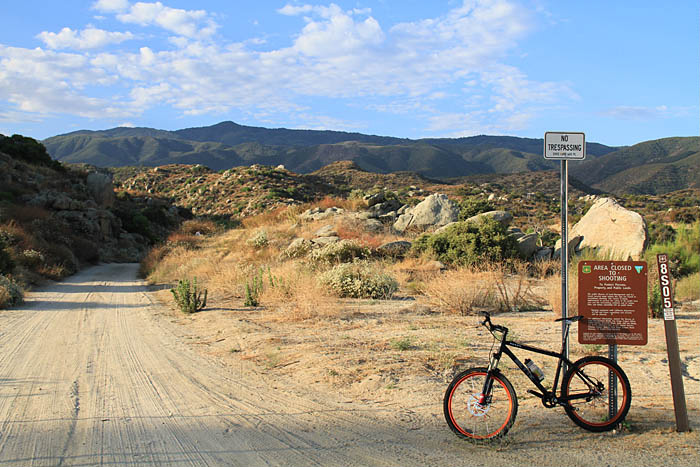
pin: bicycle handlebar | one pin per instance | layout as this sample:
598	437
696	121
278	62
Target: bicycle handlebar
490	326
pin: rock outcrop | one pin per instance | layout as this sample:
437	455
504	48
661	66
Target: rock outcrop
612	230
434	211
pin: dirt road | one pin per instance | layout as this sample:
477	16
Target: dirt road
91	374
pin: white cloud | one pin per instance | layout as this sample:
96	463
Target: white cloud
638	112
292	10
188	23
110	6
89	38
434	68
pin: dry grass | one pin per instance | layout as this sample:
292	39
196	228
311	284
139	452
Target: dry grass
462	291
296	295
513	286
553	294
194	226
20	236
348	204
281	215
352	229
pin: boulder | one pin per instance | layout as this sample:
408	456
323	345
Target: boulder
574	242
100	187
299	247
527	245
373	225
316	214
323	241
612	230
396	249
435	210
504	217
374	199
326	231
380	209
543	254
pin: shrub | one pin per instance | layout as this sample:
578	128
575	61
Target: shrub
359	280
28	150
654	301
259	240
469	207
688	288
6	263
661	233
187	297
683	252
462	291
32	258
468	243
11	293
204	227
343	251
150	262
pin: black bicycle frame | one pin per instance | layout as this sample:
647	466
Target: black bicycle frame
503	348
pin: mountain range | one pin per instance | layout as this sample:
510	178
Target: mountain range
651	167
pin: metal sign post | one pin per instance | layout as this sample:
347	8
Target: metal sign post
674	357
564	255
564	147
612	383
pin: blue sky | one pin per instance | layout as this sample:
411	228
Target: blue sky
622	72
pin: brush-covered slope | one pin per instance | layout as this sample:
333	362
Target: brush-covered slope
228	144
653	167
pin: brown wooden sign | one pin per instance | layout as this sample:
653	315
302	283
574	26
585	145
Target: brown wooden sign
612	296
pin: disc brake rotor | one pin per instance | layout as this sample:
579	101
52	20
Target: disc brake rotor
476	409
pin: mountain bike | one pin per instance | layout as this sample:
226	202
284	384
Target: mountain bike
480	403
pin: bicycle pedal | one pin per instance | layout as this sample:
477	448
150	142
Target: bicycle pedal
535	393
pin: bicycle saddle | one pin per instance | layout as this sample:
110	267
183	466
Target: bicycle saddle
571	319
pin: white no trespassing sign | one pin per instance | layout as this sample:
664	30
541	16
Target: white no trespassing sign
564	146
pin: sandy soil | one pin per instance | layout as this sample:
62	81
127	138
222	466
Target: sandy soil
96	370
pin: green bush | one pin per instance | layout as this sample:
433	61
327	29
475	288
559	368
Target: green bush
343	251
468	243
683	252
259	239
654	301
470	207
661	233
11	293
6	262
28	150
253	289
359	280
688	288
187	296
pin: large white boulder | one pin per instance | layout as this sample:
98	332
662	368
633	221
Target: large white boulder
434	211
612	230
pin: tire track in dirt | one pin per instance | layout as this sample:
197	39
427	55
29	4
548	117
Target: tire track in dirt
91	373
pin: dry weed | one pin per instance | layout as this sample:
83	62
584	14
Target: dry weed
282	215
513	286
204	227
545	268
295	293
352	229
348	204
553	291
461	291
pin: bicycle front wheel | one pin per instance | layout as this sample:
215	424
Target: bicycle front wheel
474	416
587	387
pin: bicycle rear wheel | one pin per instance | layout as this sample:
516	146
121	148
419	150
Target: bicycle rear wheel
587	380
471	416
